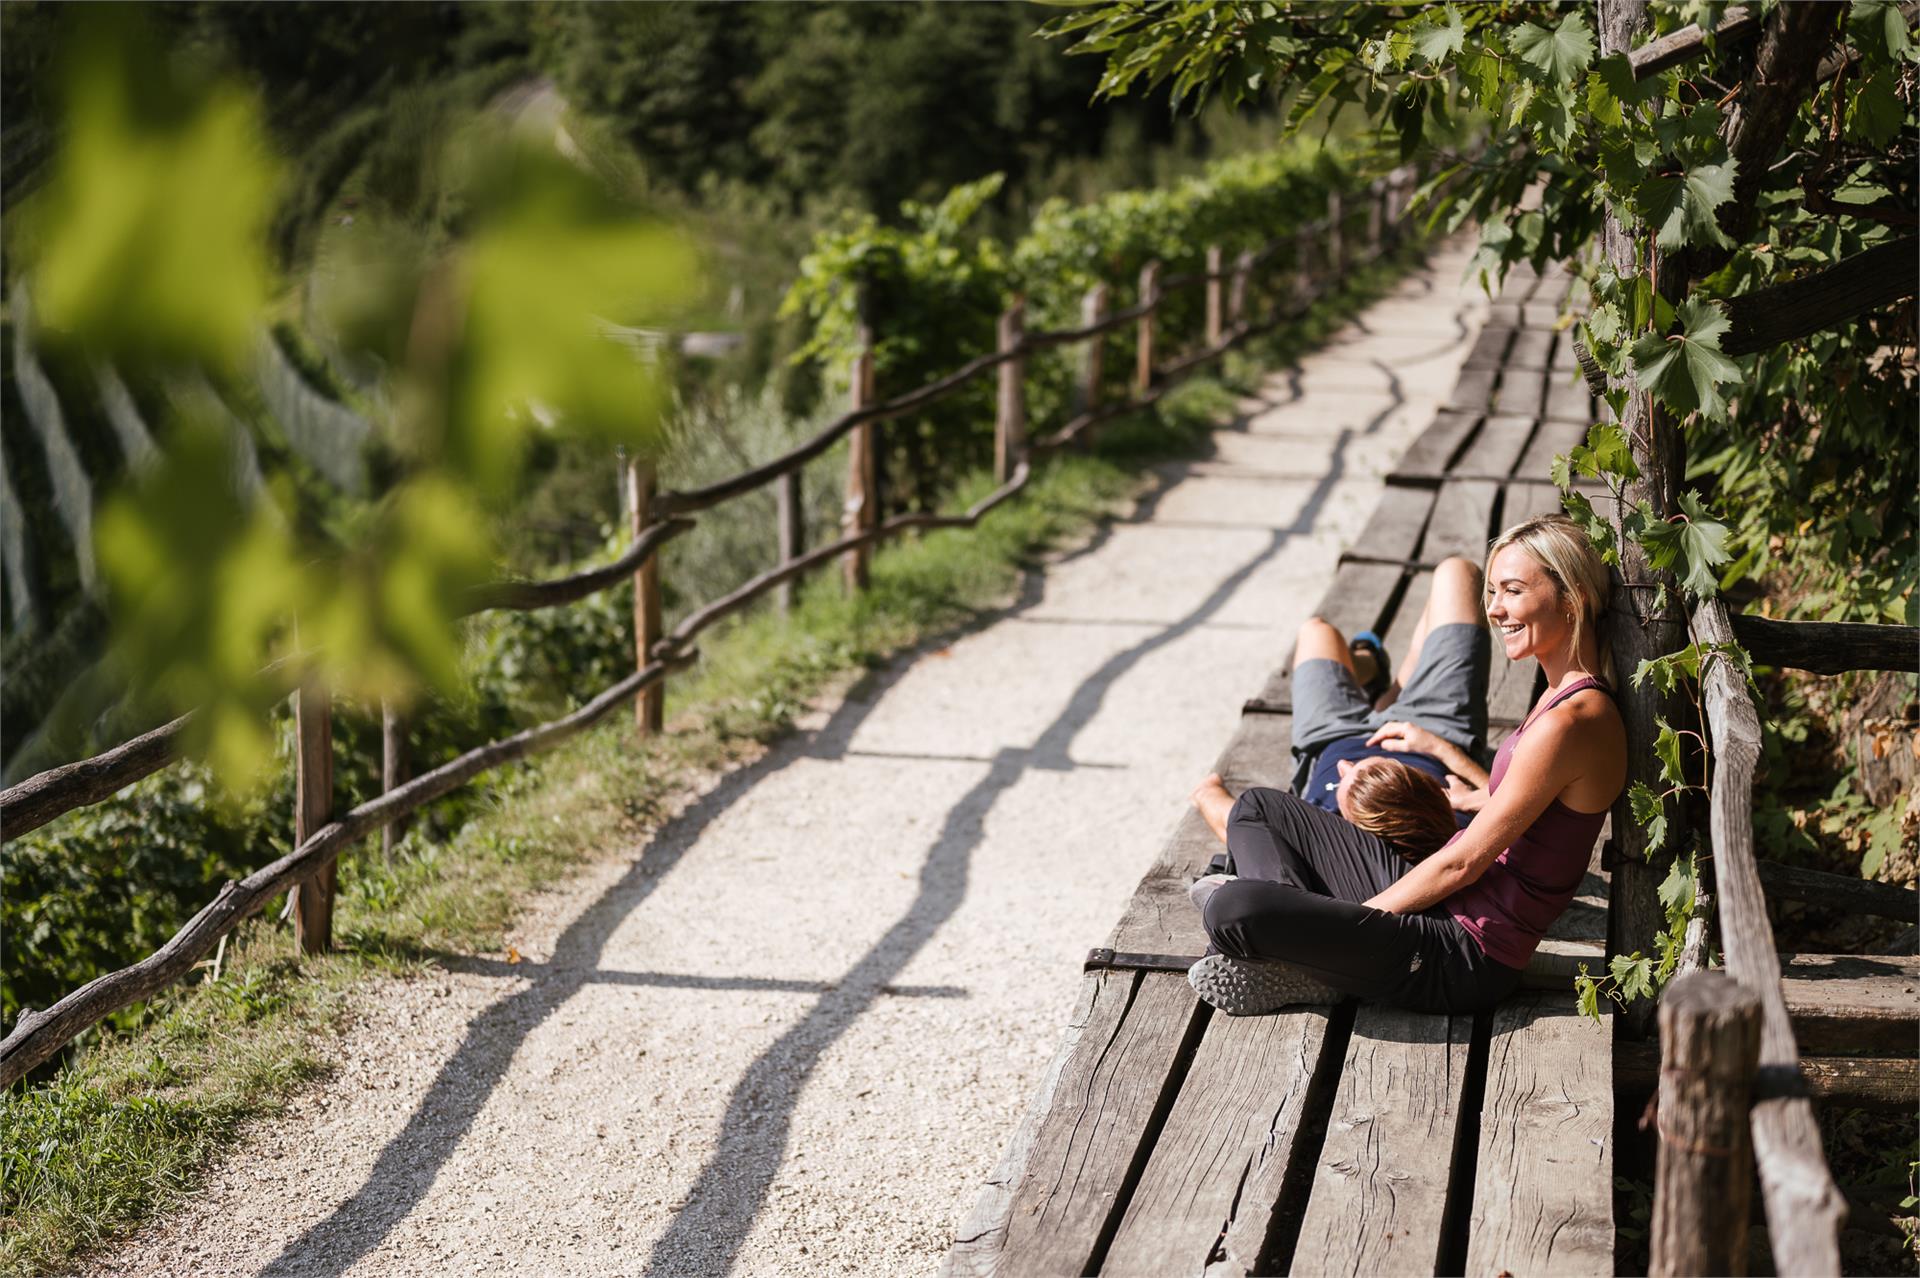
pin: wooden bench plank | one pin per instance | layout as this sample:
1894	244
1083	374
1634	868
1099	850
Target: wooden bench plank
1393	531
1502	441
1543	1191
1380	1190
1564	359
1843	1004
1569	401
1542	311
1550	441
1490	348
979	1243
1432	452
1358	598
1522	393
1473	392
1532	348
1226	1151
1110	1089
1462	522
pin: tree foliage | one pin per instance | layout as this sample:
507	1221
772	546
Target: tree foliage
1807	447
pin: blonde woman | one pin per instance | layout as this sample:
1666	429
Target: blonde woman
1322	908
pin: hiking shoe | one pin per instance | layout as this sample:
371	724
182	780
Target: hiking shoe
1244	987
1371	664
1202	889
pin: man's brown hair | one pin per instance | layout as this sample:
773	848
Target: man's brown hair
1399	803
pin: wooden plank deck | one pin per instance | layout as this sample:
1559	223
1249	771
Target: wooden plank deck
1170	1139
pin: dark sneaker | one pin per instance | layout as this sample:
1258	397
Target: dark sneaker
1242	987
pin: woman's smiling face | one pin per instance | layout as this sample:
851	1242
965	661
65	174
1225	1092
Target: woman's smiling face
1527	609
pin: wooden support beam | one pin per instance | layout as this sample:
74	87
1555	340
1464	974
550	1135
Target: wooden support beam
1828	647
1863	283
1216	295
860	516
1010	420
1703	1182
649	704
1839	891
1093	309
1690	42
312	900
1857	1082
1143	349
394	770
790	522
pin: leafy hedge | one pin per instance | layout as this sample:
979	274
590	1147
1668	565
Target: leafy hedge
934	288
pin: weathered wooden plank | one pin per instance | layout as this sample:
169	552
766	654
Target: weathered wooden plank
1505	314
1473	392
1524	500
1842	1004
1552	439
1543	1182
1568	399
1109	1091
1532	348
1158	918
979	1242
1393	532
1398	631
1380	1190
1501	442
1230	1141
1462	522
1519	283
1490	348
1564	358
1542	314
1430	454
1358	598
1523	391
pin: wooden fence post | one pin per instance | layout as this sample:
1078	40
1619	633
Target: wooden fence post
649	704
1150	298
1010	421
859	512
1303	266
1336	240
1216	296
312	808
1237	291
1093	309
790	520
393	771
1702	1196
1376	213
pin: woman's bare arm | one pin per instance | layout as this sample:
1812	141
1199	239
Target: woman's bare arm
1547	760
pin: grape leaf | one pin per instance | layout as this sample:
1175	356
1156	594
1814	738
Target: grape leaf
1650	812
1680	206
1686	369
1611	451
1440	39
1676	892
1561	53
1666	748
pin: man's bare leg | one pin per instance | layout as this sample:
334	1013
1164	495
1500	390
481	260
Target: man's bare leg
1211	800
1454	599
1320	639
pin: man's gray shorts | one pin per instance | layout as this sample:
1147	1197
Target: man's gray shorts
1447	696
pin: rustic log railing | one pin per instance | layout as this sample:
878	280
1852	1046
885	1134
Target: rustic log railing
1703	1175
658	517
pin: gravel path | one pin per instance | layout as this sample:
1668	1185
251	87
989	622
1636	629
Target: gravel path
791	1032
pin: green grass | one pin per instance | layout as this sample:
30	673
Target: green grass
122	1130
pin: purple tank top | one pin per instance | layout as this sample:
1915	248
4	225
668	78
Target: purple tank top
1511	906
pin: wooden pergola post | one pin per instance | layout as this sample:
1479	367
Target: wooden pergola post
1376	212
1237	291
393	771
1703	1186
1093	309
791	527
312	903
1149	298
1010	421
1216	296
860	514
1336	241
649	704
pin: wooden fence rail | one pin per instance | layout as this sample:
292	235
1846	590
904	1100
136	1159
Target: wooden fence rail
658	516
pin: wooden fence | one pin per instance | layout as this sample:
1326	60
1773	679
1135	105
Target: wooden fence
1372	223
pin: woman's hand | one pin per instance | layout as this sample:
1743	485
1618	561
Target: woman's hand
1462	797
1406	738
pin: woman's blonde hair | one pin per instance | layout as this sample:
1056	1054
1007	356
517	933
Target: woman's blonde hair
1562	550
1403	805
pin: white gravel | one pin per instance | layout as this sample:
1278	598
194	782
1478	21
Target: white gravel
792	1031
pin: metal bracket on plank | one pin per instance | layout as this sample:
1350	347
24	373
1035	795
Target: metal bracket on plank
1121	959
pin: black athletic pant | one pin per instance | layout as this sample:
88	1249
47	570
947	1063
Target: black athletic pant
1303	873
